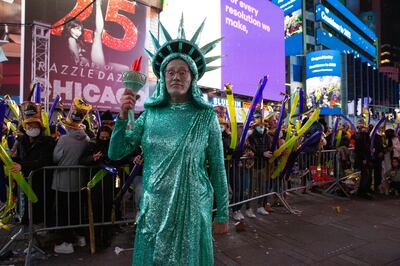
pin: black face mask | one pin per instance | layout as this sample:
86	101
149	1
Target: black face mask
103	144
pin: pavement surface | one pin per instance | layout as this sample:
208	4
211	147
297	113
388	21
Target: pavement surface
328	231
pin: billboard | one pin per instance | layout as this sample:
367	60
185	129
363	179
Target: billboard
252	45
323	84
353	18
89	54
325	15
293	25
329	40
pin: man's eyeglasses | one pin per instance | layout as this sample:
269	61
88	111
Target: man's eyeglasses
181	73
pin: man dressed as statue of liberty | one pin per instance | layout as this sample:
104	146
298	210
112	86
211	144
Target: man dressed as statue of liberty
183	158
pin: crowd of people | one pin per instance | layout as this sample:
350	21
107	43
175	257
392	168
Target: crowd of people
61	201
248	171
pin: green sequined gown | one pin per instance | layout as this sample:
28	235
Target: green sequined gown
175	222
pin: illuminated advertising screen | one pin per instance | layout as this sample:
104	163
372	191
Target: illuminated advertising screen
293	25
252	44
323	84
325	15
89	54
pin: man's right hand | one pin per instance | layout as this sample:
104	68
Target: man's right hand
128	101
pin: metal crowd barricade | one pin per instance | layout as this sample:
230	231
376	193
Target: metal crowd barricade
250	178
74	213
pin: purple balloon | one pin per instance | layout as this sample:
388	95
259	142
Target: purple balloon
53	107
334	132
349	121
97	114
37	93
2	114
256	100
293	156
279	125
374	131
301	103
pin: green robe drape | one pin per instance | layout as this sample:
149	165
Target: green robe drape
179	141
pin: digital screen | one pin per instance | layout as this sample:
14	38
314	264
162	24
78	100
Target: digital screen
327	39
293	25
252	44
323	84
324	14
351	17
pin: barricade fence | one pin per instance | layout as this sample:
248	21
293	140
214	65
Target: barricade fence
63	199
63	203
250	179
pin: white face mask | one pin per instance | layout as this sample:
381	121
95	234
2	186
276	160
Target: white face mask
222	128
33	132
260	129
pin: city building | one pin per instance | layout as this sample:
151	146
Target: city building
326	25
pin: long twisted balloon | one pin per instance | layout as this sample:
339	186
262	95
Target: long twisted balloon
279	125
256	100
232	115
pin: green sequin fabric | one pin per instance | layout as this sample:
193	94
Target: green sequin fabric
183	170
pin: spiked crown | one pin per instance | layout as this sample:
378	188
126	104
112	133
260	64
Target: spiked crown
183	46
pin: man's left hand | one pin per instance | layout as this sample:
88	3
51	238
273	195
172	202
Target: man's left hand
220	229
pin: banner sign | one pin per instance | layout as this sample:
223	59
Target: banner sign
89	54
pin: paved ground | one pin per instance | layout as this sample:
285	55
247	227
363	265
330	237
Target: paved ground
329	231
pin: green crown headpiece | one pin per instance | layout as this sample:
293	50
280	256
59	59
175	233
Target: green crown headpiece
184	46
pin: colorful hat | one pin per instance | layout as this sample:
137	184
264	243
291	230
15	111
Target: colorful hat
79	109
221	112
257	118
31	113
183	46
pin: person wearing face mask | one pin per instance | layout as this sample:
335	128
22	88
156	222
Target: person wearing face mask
34	150
260	142
95	154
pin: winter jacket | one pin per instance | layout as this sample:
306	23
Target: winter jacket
260	143
34	155
67	152
361	149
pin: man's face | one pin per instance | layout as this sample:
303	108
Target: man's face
177	78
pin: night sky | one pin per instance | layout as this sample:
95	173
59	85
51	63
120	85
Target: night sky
390	22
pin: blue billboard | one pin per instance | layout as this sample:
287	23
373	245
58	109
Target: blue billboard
293	25
288	6
351	17
323	81
327	39
324	14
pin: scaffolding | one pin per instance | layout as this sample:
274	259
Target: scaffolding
40	72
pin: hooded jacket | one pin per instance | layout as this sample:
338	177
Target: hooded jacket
67	152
